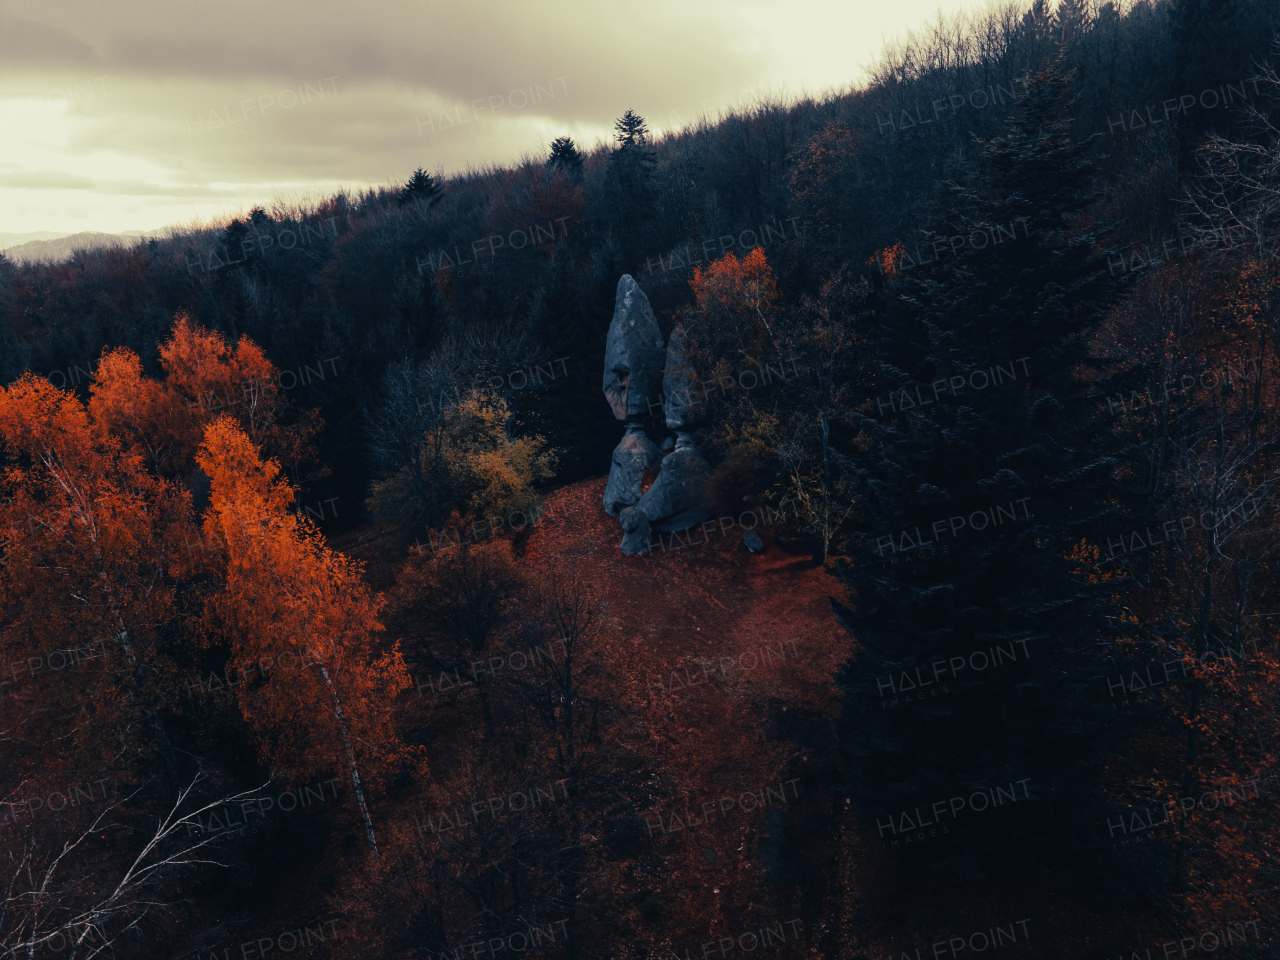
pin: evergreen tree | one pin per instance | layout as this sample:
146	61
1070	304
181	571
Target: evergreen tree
1073	19
237	243
420	187
630	130
980	632
565	156
1217	42
631	169
1037	23
572	331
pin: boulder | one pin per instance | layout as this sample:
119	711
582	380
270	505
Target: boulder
678	498
634	455
753	543
679	385
633	353
636	533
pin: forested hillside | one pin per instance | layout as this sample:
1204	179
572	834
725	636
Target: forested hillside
988	350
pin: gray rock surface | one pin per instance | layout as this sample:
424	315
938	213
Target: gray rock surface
680	391
634	455
678	498
636	533
753	542
638	372
633	353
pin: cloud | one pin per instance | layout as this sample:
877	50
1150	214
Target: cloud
31	180
163	99
455	50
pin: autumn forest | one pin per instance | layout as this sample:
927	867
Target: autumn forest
332	622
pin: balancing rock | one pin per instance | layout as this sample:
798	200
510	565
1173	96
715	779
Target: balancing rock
633	353
634	455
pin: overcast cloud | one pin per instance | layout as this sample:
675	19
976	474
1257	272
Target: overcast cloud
137	115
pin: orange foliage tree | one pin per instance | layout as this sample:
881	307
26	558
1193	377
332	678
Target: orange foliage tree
289	597
888	261
205	378
736	302
92	545
140	411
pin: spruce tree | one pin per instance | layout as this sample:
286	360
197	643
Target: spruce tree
1073	19
630	130
422	188
565	156
631	174
981	632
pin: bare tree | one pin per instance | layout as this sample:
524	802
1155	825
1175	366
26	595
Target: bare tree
584	743
64	900
464	594
1220	568
1237	196
407	431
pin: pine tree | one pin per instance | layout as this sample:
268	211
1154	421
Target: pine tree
1073	19
565	156
631	169
237	248
421	188
568	327
630	130
1217	41
989	468
1037	23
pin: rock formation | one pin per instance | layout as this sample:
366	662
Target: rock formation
631	458
678	498
634	362
633	353
632	375
636	533
679	385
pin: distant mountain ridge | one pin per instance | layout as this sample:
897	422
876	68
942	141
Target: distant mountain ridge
46	246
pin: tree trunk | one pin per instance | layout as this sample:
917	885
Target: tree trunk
162	735
1188	776
574	873
351	762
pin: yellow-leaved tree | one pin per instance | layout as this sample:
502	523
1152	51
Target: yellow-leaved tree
493	472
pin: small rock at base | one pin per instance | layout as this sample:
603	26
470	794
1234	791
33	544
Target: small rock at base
753	542
636	535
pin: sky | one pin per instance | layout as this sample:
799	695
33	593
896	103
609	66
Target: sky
120	115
